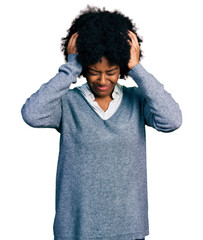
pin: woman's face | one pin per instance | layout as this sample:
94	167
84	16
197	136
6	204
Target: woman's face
102	78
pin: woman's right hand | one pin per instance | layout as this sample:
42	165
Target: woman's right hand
71	48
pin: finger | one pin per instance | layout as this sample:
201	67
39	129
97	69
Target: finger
74	40
71	40
75	36
130	36
133	37
130	43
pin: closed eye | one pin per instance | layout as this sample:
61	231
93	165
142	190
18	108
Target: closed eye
93	74
110	74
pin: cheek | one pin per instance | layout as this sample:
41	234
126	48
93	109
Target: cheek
91	79
116	77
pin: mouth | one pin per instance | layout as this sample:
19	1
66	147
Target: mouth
103	88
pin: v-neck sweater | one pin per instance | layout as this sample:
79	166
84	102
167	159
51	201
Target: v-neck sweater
101	179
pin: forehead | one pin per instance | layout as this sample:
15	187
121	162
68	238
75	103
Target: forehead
104	64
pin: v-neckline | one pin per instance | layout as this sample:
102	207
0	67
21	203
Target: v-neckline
94	113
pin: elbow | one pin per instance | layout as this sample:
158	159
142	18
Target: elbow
28	117
39	120
175	125
177	121
171	124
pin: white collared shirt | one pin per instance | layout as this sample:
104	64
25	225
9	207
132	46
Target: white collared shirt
113	105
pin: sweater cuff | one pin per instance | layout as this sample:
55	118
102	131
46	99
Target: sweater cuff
71	57
143	78
137	72
73	66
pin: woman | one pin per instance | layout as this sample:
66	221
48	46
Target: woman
101	182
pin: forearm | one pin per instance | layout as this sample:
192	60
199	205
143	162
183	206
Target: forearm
161	111
43	108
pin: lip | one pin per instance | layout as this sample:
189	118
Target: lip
103	88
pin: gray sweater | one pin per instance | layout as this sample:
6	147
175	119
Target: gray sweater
101	180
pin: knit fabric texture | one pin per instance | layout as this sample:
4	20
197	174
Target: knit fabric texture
101	179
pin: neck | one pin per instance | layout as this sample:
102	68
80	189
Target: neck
106	98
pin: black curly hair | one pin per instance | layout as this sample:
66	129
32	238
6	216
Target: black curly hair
101	34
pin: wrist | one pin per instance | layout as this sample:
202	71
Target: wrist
131	66
71	57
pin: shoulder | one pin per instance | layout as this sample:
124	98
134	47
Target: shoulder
132	91
72	94
133	97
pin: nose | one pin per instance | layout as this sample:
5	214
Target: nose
102	80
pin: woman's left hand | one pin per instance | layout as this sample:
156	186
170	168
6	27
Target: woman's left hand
134	50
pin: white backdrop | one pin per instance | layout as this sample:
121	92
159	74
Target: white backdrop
30	55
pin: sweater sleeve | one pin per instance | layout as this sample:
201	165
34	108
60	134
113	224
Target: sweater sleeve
160	109
43	108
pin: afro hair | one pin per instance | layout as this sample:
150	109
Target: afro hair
101	34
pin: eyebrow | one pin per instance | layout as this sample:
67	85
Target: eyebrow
91	69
